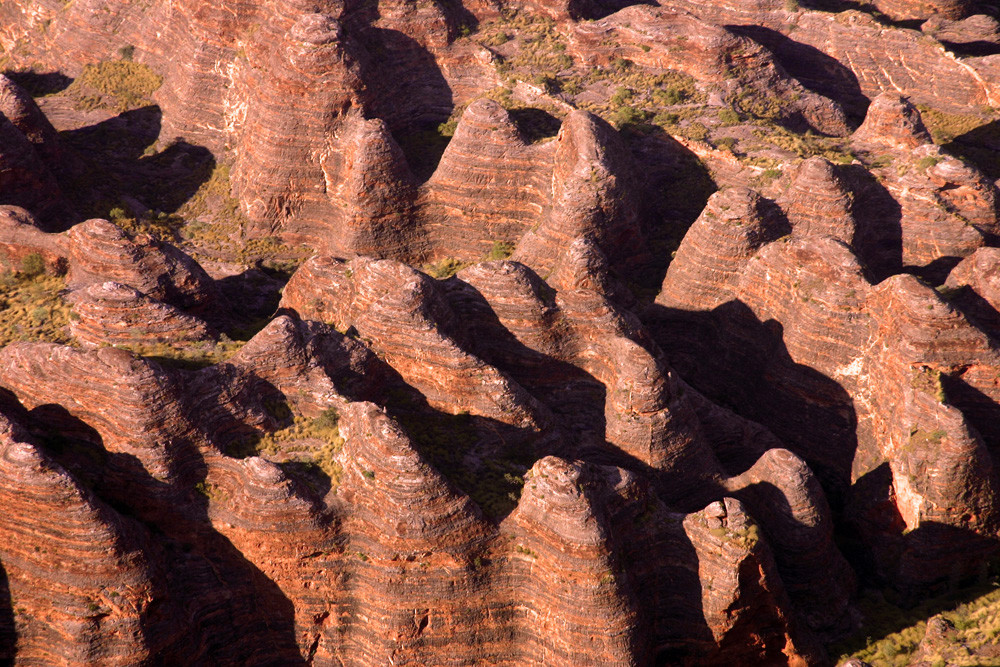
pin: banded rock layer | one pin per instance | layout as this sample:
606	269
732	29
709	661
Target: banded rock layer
864	365
520	464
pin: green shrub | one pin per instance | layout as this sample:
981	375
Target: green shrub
496	39
725	143
120	85
926	163
32	265
445	268
500	250
670	95
666	119
549	84
627	116
729	117
696	131
621	96
327	421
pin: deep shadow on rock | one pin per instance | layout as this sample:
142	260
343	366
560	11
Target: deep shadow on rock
8	631
675	186
232	611
813	68
113	166
742	363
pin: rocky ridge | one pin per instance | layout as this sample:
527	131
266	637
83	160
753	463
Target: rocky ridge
468	432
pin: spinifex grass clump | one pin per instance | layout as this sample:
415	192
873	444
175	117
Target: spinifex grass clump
892	635
188	357
305	443
119	85
31	305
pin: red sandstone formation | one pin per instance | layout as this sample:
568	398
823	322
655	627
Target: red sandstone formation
819	202
664	39
973	286
979	28
592	178
399	312
904	10
99	251
491	183
892	350
526	463
79	574
139	417
948	208
892	122
836	53
372	190
21	237
393	507
114	314
555	353
21	110
733	226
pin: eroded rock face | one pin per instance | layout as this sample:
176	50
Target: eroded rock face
905	10
22	111
22	236
660	37
869	363
974	30
111	313
548	356
487	155
96	603
947	207
893	122
532	461
100	251
591	199
730	230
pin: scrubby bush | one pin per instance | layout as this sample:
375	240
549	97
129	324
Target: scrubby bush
32	265
725	143
120	85
729	117
500	250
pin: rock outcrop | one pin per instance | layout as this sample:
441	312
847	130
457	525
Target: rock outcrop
81	583
661	38
468	432
100	251
831	53
487	155
868	364
114	314
947	207
909	10
592	199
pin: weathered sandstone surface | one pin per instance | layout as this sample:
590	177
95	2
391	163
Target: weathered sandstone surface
888	381
566	333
